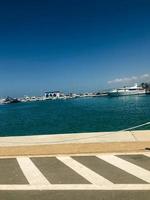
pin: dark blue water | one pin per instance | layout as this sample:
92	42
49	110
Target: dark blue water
74	115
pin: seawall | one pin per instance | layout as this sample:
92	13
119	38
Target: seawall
100	142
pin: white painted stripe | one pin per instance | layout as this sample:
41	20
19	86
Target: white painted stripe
82	154
85	172
130	168
31	172
64	187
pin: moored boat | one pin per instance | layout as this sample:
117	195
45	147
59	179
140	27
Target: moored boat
126	91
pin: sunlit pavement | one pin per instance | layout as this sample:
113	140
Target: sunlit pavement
88	176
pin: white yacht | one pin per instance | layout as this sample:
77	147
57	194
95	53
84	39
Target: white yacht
2	101
125	91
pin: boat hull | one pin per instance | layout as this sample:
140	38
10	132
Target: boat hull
128	93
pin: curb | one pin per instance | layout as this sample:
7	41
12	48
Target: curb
75	148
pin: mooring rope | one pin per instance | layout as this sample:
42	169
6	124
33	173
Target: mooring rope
81	138
134	127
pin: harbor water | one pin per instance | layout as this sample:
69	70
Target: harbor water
99	114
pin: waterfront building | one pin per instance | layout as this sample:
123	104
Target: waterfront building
54	95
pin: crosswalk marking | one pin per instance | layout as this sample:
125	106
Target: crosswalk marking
76	187
31	172
127	166
85	172
37	181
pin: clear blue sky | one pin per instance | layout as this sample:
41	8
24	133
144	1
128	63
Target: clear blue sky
72	45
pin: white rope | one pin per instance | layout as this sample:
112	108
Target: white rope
78	139
134	127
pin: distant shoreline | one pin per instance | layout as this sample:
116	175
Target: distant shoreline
142	89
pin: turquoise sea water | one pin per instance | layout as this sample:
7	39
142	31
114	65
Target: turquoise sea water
74	115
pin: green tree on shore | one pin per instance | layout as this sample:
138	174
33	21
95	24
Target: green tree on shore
146	86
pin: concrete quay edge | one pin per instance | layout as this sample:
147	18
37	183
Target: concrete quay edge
79	143
85	148
93	137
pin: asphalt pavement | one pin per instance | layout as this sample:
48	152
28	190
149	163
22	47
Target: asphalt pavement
70	177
